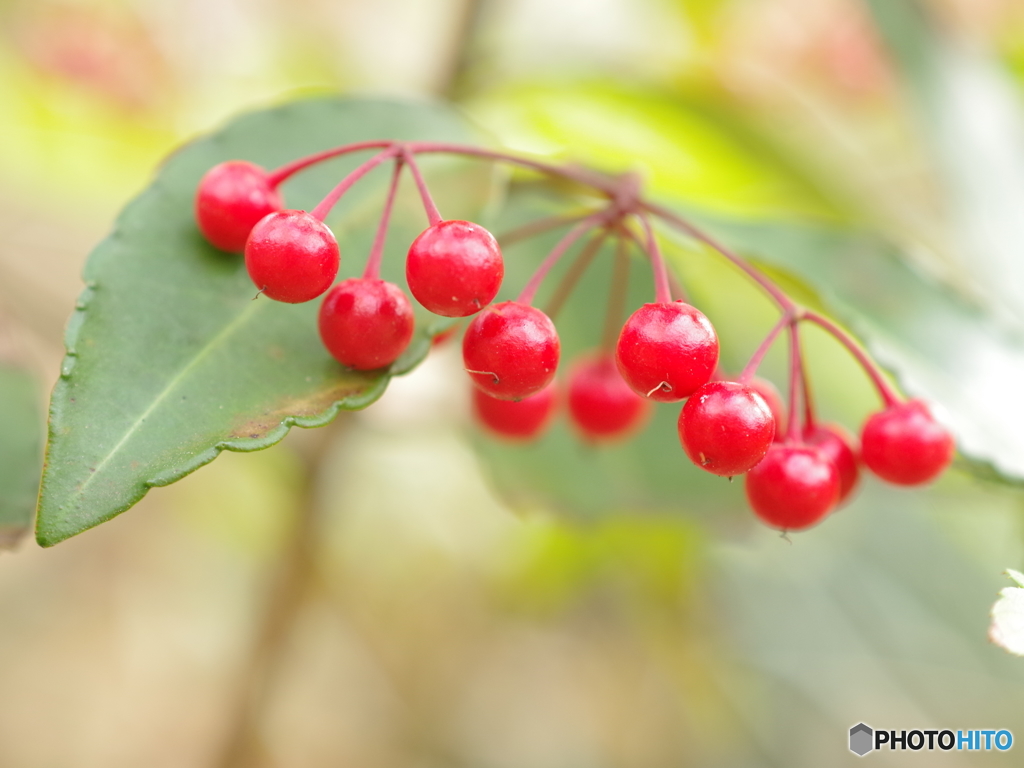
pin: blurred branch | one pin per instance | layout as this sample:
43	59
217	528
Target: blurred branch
243	746
451	82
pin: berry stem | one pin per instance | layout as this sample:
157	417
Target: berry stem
278	175
573	274
795	381
583	176
324	206
887	393
805	382
617	298
662	289
776	293
755	360
624	195
678	292
538	227
433	215
372	271
574	234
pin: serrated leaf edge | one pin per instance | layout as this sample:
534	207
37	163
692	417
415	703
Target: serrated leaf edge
240	445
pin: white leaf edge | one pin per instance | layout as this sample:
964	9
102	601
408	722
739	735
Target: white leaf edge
1007	627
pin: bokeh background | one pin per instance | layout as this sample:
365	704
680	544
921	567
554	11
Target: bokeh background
425	619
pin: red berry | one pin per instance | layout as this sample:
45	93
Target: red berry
230	199
454	268
794	487
726	428
666	351
366	323
519	420
511	350
839	446
771	395
905	445
601	405
292	256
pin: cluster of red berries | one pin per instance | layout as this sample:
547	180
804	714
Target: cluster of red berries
667	351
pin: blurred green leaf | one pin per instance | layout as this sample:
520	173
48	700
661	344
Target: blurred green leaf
972	118
936	343
695	148
554	564
898	593
704	17
21	443
169	358
938	346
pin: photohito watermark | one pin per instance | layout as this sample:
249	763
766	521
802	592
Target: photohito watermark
865	739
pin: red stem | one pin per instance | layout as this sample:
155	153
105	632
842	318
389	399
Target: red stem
573	275
795	364
616	298
278	175
584	176
574	234
611	188
372	271
324	206
538	227
778	296
887	393
805	382
433	215
755	360
598	181
662	290
678	292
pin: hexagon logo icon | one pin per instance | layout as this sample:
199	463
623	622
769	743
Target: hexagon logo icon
861	739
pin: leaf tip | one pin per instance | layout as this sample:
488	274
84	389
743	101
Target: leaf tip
47	539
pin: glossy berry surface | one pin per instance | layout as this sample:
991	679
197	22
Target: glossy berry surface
840	447
292	256
510	350
230	199
517	420
454	268
602	406
726	428
794	487
905	445
366	323
667	350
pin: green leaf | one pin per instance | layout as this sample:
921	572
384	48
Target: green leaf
21	443
169	358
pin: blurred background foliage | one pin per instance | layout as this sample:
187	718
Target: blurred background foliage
420	618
